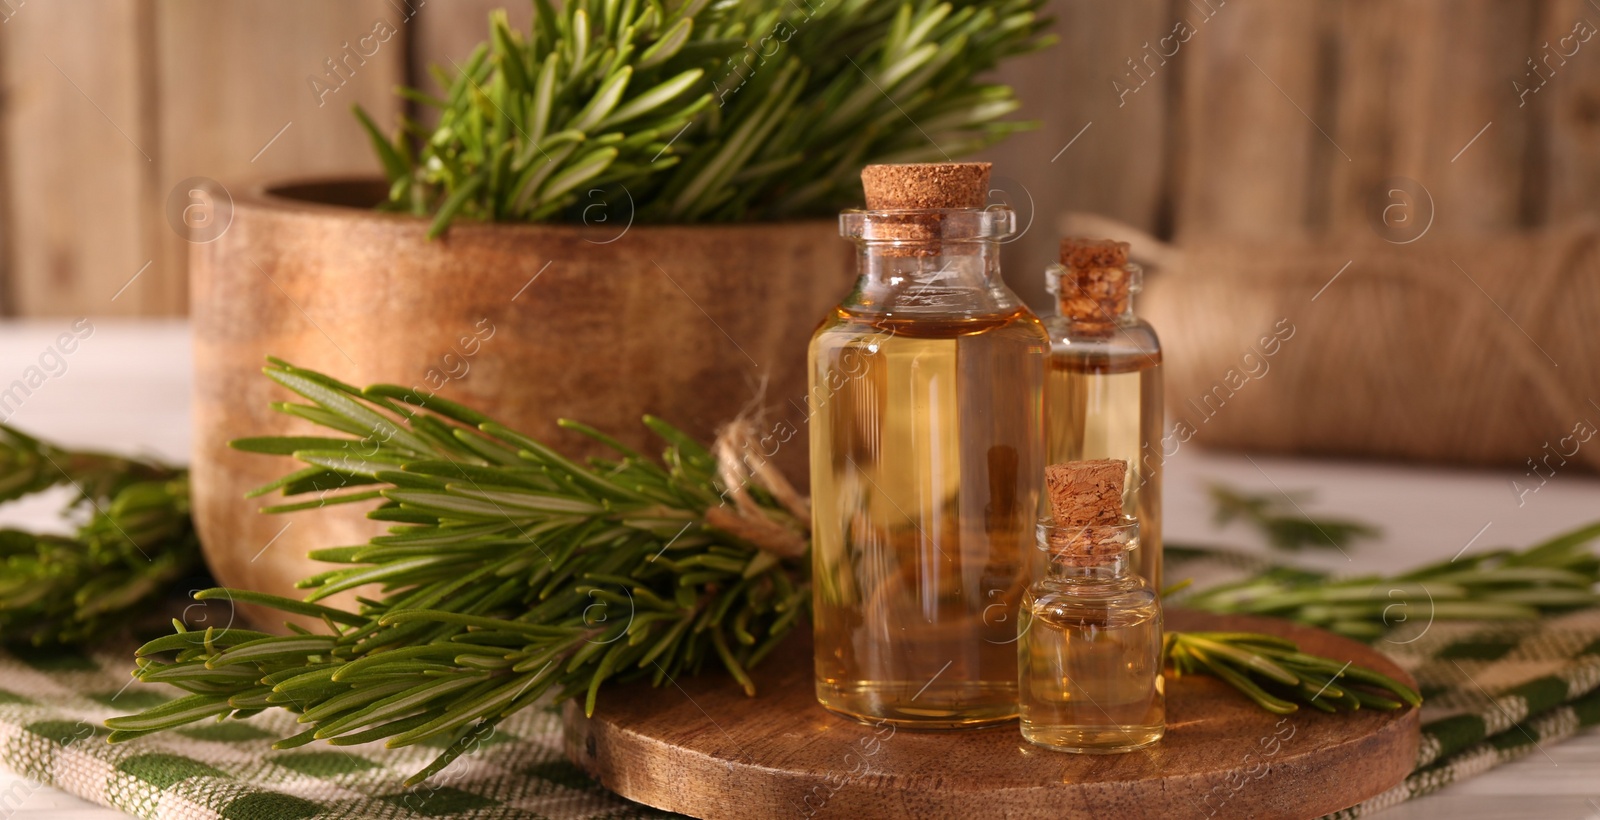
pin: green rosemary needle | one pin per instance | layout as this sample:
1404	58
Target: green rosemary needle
602	110
133	540
510	572
1274	673
1556	575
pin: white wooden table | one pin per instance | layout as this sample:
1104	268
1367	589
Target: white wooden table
127	387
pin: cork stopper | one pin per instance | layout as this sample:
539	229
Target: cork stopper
1082	254
922	191
1086	503
926	185
1095	287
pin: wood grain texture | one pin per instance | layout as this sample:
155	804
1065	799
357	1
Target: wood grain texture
1249	126
110	105
1085	94
236	100
526	323
79	157
1375	59
703	748
1466	54
1422	91
1206	146
1567	113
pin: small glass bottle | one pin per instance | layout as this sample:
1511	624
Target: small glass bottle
1089	645
1103	390
927	448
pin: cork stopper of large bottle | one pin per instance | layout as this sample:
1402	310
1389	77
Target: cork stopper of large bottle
926	185
1086	503
1095	286
929	188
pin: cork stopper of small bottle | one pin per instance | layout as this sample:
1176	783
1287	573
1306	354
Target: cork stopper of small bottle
930	187
1086	503
1095	287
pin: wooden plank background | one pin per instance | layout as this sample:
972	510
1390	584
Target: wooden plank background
1282	118
107	105
1255	118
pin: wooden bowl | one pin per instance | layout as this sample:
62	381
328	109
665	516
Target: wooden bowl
527	323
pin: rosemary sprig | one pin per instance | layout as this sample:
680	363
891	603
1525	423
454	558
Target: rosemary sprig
1274	673
133	539
704	111
1281	521
594	94
1556	575
510	572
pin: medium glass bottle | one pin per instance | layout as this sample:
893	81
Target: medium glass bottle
1103	391
1089	645
927	452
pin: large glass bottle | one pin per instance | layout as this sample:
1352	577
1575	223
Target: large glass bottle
1103	391
926	458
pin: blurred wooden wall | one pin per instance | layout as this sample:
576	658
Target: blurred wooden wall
1279	118
109	104
1269	118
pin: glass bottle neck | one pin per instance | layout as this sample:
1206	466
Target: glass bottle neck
1111	567
951	277
1092	304
930	262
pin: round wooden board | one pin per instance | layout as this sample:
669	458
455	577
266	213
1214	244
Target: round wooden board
701	747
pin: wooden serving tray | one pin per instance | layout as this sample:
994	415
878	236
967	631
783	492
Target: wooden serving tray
701	747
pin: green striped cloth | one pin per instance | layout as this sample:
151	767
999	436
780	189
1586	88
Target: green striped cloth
52	705
1494	692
